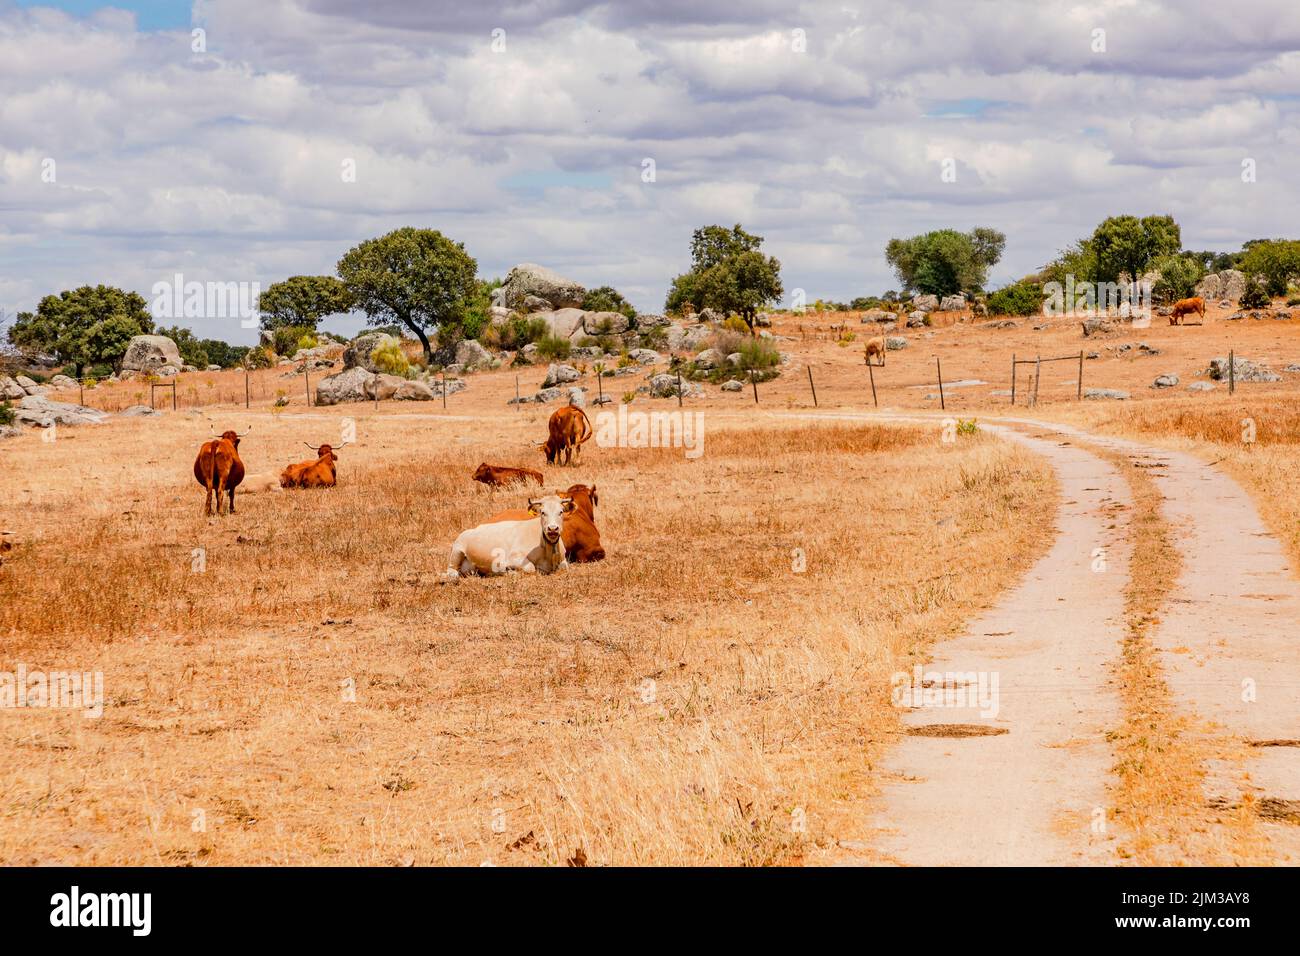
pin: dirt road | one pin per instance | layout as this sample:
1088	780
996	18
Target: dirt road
1027	785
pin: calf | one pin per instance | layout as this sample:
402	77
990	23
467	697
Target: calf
497	476
581	537
1184	307
534	544
321	473
218	468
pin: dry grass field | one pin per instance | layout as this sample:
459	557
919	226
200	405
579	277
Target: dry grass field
313	693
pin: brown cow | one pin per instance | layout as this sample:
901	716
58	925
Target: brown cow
569	430
497	476
218	468
1187	307
875	346
321	473
581	539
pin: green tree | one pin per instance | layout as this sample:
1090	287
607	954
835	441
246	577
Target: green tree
191	348
1178	277
303	301
417	277
1276	261
945	261
1127	244
607	299
82	326
728	273
1020	298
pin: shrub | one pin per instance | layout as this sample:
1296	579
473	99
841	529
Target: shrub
260	357
967	426
1255	295
734	323
607	299
553	347
98	371
515	333
6	414
629	397
656	338
290	338
758	354
729	341
1178	277
391	359
1020	298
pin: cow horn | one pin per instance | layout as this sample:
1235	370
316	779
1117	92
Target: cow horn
344	445
309	445
244	434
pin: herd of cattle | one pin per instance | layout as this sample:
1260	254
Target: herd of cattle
553	531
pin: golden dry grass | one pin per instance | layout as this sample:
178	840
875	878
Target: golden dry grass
316	695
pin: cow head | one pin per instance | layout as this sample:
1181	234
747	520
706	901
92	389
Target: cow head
552	451
232	437
327	451
483	473
551	510
589	491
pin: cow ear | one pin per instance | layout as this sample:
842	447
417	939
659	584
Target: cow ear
533	505
566	504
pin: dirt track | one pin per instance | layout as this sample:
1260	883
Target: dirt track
1230	645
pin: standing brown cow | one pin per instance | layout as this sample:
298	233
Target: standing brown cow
569	429
218	468
1187	307
321	473
581	538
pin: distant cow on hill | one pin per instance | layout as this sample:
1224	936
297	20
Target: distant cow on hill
496	476
581	538
321	473
1184	307
569	430
218	468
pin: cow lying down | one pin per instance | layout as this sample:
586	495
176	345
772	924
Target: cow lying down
533	544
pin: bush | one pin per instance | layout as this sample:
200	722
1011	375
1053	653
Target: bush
1178	277
553	347
391	359
1293	301
1021	298
1255	295
260	357
607	299
515	333
734	323
6	414
98	371
290	338
758	354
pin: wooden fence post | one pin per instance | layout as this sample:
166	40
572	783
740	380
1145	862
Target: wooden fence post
812	386
1013	378
754	385
1079	391
939	367
247	396
679	389
306	375
872	375
1232	371
444	389
1038	377
518	404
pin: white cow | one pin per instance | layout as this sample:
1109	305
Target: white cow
534	544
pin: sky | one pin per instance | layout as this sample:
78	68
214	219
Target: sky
594	137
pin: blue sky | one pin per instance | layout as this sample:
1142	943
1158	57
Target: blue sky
823	126
150	14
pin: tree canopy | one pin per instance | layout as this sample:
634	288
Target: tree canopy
417	277
84	326
728	273
303	301
945	261
1127	244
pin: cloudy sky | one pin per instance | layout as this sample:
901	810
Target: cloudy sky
525	130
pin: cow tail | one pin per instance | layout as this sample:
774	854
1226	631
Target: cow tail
590	431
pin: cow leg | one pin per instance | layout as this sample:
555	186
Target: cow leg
221	494
207	503
232	501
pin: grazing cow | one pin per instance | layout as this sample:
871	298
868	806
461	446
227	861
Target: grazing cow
569	429
875	346
1187	307
497	476
581	538
218	468
321	473
535	543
